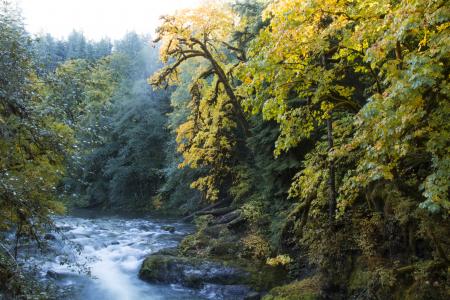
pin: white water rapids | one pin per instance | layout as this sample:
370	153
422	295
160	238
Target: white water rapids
112	249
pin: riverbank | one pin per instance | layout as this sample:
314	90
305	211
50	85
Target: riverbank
215	258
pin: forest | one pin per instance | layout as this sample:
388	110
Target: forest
308	141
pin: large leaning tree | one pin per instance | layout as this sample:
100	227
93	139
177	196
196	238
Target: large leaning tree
204	32
216	125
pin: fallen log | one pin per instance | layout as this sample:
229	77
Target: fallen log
209	207
236	221
227	218
216	212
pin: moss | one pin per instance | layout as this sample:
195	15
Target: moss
223	248
194	245
306	289
264	277
359	279
191	272
153	267
427	281
217	243
172	251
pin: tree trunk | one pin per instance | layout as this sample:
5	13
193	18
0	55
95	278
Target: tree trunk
228	89
332	174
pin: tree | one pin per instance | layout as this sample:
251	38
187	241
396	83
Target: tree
33	147
203	32
364	80
210	136
301	86
76	45
122	170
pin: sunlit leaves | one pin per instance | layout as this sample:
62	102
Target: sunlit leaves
206	141
299	71
201	39
402	122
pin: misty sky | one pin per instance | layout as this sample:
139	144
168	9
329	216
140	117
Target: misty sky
97	18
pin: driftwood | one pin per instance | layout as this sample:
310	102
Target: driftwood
208	208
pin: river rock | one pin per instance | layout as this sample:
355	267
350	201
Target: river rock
53	274
49	237
168	228
190	272
65	228
229	292
58	275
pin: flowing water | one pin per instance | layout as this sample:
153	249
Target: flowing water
112	250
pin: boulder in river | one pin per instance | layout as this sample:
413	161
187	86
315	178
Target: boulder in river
49	237
168	228
190	272
53	274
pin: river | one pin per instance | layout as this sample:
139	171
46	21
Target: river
94	258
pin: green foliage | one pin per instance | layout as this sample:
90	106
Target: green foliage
33	148
50	52
352	94
120	128
176	189
323	123
78	123
414	101
134	171
33	143
208	139
306	289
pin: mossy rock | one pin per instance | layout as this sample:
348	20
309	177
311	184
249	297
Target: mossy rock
191	272
194	245
306	289
264	277
172	251
215	231
168	228
211	241
223	248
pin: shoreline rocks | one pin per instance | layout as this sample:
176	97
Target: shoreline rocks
214	279
190	272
